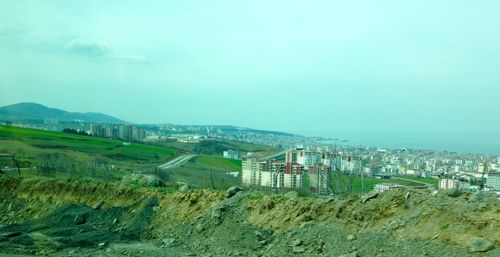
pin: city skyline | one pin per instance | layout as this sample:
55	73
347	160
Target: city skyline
335	69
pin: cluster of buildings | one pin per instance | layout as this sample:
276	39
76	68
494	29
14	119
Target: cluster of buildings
123	132
311	168
231	154
471	172
260	137
304	169
491	183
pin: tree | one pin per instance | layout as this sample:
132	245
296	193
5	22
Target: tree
342	182
74	131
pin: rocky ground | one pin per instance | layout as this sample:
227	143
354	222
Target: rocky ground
51	217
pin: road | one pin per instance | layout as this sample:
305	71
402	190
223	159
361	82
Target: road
176	162
273	156
416	181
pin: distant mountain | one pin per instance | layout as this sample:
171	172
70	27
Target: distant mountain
34	111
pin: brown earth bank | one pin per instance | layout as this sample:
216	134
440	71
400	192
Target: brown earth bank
55	217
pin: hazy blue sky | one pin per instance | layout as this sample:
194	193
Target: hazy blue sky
283	65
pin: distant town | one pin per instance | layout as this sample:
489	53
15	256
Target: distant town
312	168
309	163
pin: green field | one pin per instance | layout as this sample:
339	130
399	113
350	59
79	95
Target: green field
109	148
206	171
431	181
57	154
217	162
216	147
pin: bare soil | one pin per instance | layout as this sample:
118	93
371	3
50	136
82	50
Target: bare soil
53	217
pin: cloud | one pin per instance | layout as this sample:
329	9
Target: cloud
101	51
132	59
88	48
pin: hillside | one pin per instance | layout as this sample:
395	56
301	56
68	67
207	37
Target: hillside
206	171
55	217
55	152
34	111
216	147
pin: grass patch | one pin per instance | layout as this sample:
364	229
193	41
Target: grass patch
216	162
216	147
206	172
370	182
86	144
431	181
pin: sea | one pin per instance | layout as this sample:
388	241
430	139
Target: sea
460	142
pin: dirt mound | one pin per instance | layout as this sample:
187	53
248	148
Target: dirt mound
84	218
420	215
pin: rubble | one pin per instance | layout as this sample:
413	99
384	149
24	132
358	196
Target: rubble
54	218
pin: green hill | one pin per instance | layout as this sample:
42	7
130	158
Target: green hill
216	147
217	162
104	147
206	171
34	111
56	153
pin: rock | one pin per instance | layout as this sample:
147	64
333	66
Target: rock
319	246
218	213
454	193
330	199
297	242
230	192
263	234
199	227
80	219
306	225
151	202
169	242
292	194
393	225
479	244
142	179
351	237
299	249
483	197
98	206
369	196
184	188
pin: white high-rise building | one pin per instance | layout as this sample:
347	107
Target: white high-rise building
448	184
493	181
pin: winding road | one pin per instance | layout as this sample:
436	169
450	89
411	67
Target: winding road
274	155
176	162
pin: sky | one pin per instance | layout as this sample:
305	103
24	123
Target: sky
312	67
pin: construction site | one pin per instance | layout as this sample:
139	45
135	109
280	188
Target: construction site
66	217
